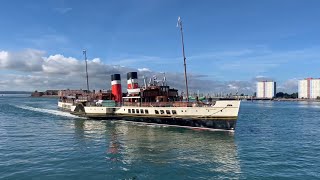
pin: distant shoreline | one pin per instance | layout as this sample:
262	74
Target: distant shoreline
46	96
15	92
47	93
284	99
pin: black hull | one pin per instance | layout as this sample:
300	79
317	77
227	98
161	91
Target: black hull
213	123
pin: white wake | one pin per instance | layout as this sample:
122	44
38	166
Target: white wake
48	111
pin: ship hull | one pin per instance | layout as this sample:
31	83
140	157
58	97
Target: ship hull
223	115
227	123
64	106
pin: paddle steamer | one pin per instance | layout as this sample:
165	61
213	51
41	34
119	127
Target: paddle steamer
154	102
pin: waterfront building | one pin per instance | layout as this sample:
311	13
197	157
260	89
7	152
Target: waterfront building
309	88
266	89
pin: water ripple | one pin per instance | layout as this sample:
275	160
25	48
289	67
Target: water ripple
273	140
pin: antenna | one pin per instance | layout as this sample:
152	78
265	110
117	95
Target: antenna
85	59
164	79
150	82
144	82
179	24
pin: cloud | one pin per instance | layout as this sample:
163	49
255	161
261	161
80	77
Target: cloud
144	70
63	10
221	54
146	59
262	78
32	70
256	60
29	60
289	86
46	40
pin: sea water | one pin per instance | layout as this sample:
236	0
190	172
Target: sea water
272	140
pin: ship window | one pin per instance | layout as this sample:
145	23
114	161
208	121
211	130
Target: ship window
137	111
146	111
141	111
174	112
229	105
156	111
168	111
129	110
181	110
133	111
162	111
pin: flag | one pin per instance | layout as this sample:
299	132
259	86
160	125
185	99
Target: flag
179	22
164	77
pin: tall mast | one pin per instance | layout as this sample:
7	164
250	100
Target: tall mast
85	59
179	24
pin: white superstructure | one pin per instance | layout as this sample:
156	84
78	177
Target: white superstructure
222	109
309	88
266	89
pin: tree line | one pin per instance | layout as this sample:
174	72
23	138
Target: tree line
286	95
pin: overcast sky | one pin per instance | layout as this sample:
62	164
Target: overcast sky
229	44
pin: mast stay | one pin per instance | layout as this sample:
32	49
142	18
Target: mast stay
179	24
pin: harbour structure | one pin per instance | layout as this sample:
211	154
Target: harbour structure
47	93
309	88
266	89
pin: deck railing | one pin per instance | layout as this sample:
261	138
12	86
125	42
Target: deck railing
167	104
147	104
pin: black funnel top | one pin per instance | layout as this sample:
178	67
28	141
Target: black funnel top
132	75
115	77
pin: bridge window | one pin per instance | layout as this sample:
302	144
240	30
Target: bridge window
141	111
133	111
162	111
146	111
129	110
174	112
168	111
156	111
137	111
